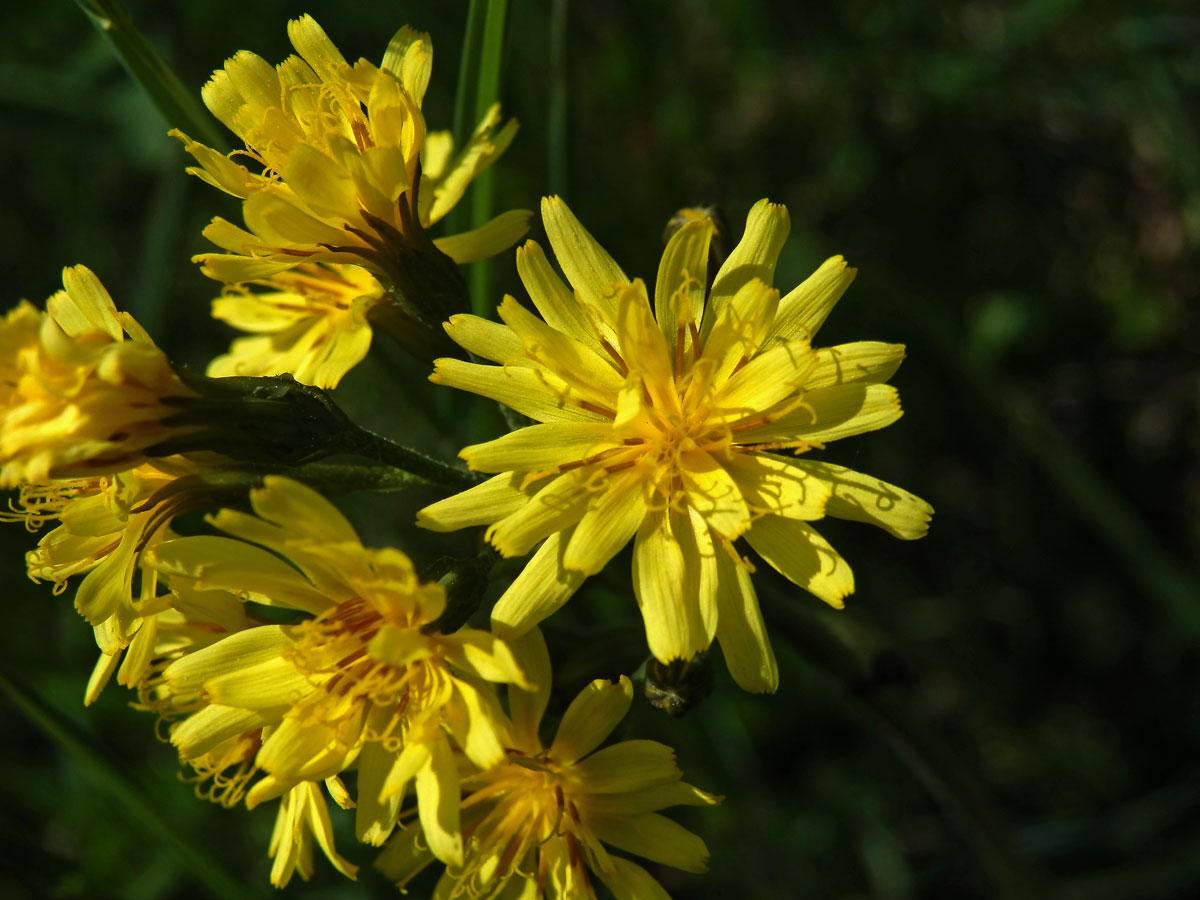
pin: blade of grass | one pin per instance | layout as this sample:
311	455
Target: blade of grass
946	777
158	828
1097	504
177	104
468	75
556	128
487	92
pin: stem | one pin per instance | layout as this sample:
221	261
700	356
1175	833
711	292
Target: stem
945	776
329	478
376	447
556	130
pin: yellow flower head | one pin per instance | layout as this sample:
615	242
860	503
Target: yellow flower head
682	426
78	399
543	815
358	682
343	168
106	524
312	324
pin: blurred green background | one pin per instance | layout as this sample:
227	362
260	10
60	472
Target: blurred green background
1019	186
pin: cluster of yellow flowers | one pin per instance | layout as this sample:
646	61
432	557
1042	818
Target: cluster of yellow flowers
282	654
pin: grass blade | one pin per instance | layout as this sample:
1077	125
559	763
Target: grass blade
177	104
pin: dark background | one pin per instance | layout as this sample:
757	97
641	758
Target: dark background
1019	186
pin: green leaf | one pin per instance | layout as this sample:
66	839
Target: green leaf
177	104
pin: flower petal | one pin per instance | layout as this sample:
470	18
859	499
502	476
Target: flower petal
488	502
767	226
590	718
864	498
530	390
438	802
553	299
587	265
528	706
666	583
741	631
682	278
778	485
830	414
802	311
494	236
861	361
541	447
559	505
801	555
608	524
654	837
542	587
628	767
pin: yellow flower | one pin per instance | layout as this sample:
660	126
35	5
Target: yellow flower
303	815
311	325
679	428
344	168
78	399
543	815
106	525
359	682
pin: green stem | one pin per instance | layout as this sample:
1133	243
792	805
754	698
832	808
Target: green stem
158	828
330	478
952	785
487	92
556	130
373	446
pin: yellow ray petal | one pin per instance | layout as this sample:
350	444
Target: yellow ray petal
654	837
861	361
594	376
559	505
770	377
188	674
553	299
767	227
374	819
528	706
832	413
587	265
682	279
491	340
801	555
409	56
864	498
628	767
629	881
778	485
741	328
542	447
542	587
491	501
713	493
665	581
608	524
205	729
741	631
269	684
437	803
804	309
494	236
590	718
530	390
